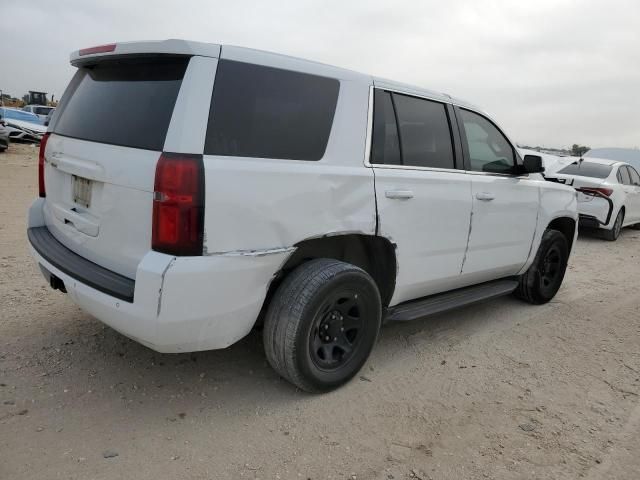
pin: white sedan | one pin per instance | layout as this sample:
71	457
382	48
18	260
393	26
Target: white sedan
608	193
22	125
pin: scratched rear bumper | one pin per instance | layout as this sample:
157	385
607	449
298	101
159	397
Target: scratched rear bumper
180	304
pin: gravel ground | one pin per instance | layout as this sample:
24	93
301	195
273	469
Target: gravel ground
500	390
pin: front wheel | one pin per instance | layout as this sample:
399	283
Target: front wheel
321	324
543	279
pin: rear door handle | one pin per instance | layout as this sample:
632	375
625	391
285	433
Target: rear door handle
399	194
485	196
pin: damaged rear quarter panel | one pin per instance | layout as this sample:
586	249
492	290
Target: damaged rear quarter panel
261	204
257	205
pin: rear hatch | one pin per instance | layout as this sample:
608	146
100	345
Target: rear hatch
101	157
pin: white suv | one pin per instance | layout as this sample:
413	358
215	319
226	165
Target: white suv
189	191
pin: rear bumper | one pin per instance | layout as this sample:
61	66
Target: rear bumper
597	212
79	268
180	304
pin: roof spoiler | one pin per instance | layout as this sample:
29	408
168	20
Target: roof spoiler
158	47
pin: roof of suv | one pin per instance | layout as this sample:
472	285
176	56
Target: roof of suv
188	47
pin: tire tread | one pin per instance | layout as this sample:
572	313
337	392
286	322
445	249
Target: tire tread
527	289
286	310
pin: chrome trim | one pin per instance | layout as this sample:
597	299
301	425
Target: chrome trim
492	174
368	138
411	167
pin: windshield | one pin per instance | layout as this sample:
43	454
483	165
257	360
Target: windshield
587	169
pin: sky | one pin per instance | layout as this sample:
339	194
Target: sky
550	72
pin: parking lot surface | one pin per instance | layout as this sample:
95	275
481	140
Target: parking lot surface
500	390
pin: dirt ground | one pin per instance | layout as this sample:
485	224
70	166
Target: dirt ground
500	390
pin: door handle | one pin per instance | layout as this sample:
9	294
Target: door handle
399	194
485	196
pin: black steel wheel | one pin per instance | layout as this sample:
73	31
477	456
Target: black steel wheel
543	279
551	268
337	330
321	324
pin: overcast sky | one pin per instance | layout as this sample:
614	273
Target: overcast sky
552	72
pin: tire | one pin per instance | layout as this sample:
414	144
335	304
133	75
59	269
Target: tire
327	296
613	234
543	279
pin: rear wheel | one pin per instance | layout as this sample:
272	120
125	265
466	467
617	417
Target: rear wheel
321	324
613	234
543	279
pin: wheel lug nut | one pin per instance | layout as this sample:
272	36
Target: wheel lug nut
327	338
335	339
342	329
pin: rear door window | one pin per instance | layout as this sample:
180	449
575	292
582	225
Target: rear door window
266	112
587	169
127	102
623	176
385	147
635	177
425	136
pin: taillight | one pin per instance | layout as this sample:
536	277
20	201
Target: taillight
43	146
99	49
594	191
178	205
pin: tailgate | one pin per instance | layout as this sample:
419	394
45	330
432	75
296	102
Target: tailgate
101	158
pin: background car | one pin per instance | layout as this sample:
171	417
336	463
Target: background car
22	125
552	163
40	110
4	136
608	194
49	116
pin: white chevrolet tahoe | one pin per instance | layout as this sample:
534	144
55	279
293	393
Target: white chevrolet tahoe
190	191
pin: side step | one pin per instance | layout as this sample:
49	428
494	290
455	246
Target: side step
442	302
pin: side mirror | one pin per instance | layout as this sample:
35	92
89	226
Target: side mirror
533	164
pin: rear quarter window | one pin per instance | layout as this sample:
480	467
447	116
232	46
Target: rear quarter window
266	112
127	102
587	169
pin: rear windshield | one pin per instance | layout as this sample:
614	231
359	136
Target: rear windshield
122	102
42	110
587	169
266	112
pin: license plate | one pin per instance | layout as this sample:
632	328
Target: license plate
82	191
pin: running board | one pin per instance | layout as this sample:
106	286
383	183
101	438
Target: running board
443	302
